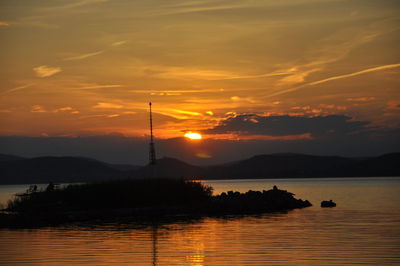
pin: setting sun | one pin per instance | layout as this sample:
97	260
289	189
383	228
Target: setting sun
193	135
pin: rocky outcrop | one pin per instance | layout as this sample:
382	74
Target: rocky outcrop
328	204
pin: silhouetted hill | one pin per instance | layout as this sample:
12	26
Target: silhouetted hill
7	158
55	169
281	165
385	165
125	167
170	168
278	166
16	170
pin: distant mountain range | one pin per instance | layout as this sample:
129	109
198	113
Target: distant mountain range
19	170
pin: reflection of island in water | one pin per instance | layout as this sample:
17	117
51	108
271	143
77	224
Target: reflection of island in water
138	200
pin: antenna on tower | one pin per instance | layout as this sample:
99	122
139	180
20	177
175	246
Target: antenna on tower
152	151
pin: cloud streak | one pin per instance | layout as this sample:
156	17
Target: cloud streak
103	105
98	86
361	99
46	71
186	73
16	89
118	43
83	56
38	109
74	4
365	71
369	70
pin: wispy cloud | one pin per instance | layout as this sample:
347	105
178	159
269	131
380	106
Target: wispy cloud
87	55
38	21
297	76
242	99
186	73
333	107
330	50
361	99
73	4
368	70
177	113
4	24
84	2
83	56
201	9
384	67
41	12
186	112
64	109
101	86
16	89
103	105
118	43
38	109
46	71
188	7
177	92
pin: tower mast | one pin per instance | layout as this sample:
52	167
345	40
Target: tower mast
152	151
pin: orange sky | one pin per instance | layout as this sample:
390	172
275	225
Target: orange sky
89	67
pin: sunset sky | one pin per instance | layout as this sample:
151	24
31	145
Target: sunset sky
270	76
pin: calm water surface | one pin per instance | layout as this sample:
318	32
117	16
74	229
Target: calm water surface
363	228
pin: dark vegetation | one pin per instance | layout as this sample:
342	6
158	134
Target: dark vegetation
113	194
257	201
137	199
17	170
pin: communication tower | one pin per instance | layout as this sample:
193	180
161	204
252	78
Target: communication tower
152	151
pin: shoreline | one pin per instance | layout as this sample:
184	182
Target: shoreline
212	179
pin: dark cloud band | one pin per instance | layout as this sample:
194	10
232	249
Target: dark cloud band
251	124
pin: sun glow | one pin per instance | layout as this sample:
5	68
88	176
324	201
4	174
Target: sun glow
193	135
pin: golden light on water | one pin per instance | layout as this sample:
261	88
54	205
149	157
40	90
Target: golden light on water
193	135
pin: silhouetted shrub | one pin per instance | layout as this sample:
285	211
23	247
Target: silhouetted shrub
113	194
152	199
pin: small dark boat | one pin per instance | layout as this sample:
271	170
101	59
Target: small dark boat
328	204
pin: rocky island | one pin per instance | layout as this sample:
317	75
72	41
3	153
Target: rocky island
140	199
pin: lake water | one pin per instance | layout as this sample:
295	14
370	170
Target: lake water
363	229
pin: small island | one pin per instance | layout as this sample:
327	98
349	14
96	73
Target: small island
137	200
328	204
